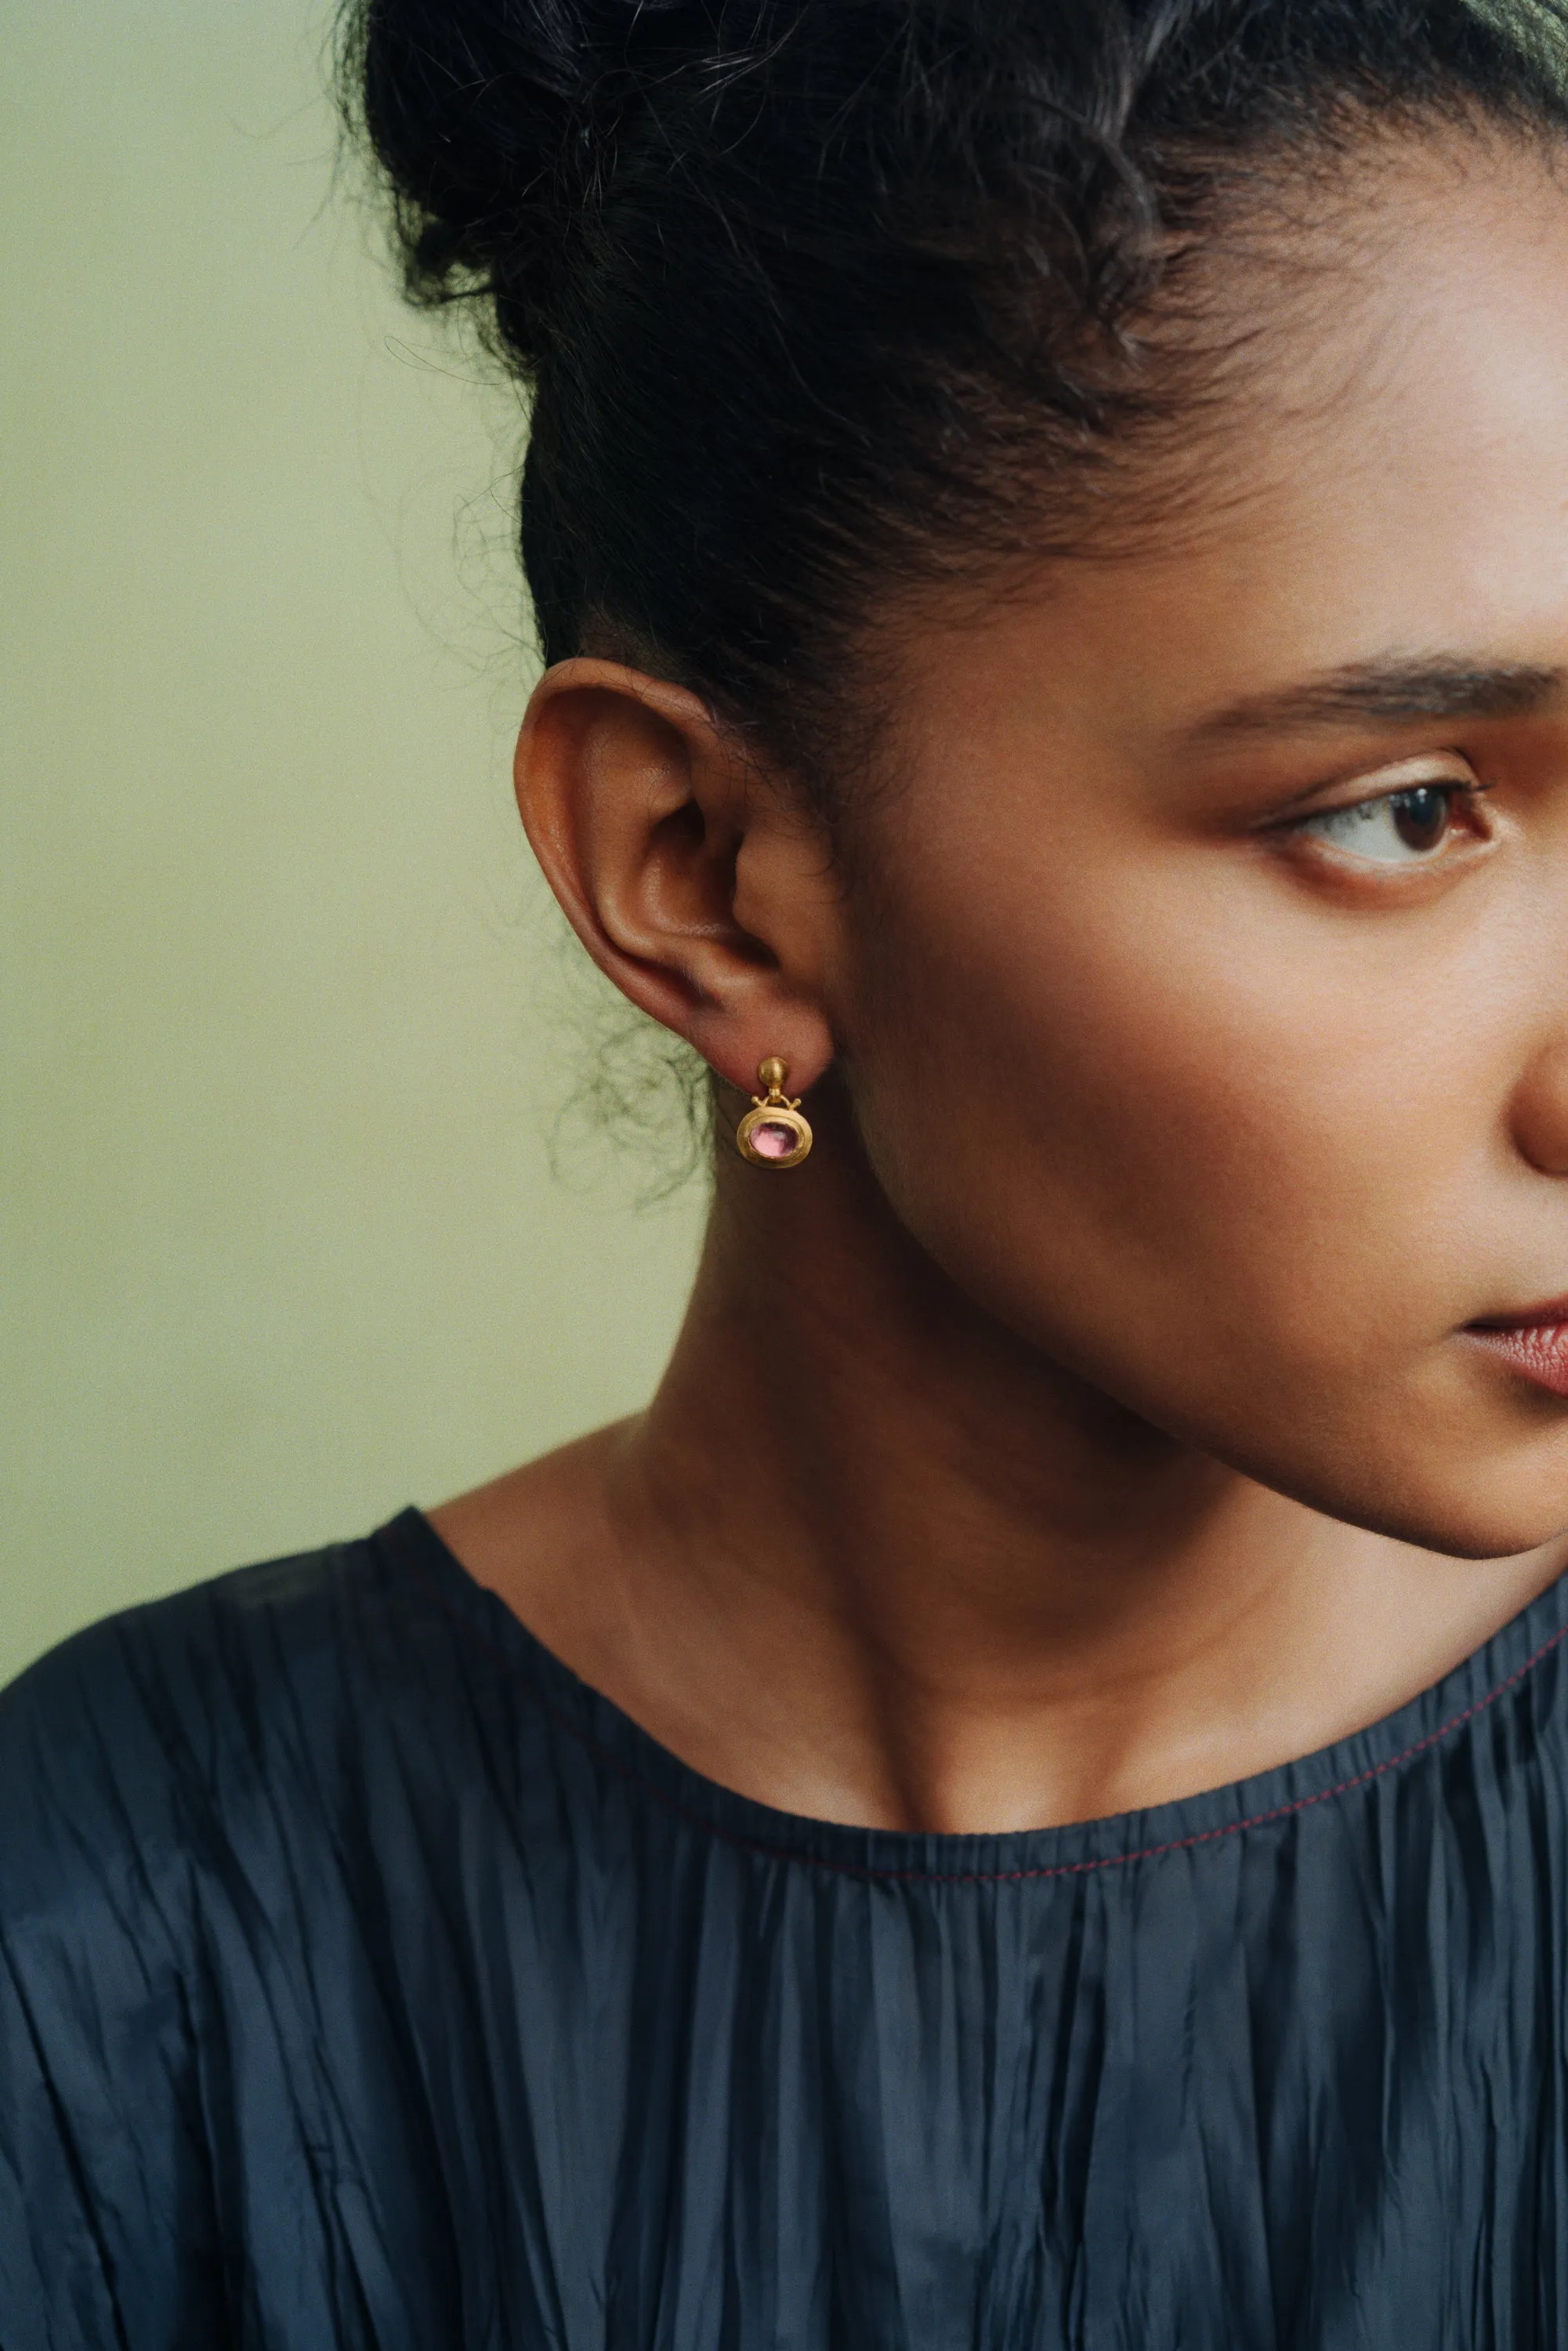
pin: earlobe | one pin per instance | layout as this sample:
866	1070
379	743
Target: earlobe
643	814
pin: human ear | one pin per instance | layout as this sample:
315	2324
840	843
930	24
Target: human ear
690	878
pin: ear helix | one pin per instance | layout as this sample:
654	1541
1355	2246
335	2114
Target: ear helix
773	1133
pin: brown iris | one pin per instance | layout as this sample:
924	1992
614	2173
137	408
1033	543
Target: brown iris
1421	815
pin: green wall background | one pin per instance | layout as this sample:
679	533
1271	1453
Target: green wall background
282	999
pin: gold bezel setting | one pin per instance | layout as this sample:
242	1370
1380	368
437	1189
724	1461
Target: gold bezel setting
772	1114
776	1116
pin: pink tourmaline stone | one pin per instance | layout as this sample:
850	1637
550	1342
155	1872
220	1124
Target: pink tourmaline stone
771	1139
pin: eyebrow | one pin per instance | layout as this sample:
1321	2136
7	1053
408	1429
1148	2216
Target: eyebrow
1390	692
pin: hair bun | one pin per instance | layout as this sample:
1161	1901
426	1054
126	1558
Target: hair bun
492	120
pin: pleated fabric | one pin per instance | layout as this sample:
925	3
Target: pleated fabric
365	1979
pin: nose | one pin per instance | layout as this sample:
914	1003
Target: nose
1539	1111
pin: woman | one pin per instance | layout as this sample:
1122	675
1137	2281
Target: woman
1022	1803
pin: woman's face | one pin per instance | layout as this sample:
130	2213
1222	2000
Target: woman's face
1213	1027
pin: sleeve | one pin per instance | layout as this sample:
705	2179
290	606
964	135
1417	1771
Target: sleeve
107	2235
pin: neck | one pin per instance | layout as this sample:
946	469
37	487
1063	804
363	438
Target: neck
868	1557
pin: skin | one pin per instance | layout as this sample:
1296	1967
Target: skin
1094	1417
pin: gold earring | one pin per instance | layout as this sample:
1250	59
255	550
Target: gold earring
773	1133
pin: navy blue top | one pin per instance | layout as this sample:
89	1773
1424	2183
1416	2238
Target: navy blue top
366	1981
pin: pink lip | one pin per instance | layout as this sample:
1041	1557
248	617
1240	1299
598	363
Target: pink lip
1534	1343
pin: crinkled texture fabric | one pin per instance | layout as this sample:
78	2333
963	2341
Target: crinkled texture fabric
367	1980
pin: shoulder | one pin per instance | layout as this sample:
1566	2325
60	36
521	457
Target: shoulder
108	1739
237	1830
225	1737
131	1844
153	1737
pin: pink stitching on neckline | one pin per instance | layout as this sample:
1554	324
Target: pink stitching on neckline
671	1804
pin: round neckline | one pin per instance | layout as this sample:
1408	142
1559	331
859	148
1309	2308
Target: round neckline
1208	1819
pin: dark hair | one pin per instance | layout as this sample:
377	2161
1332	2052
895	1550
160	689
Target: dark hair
816	297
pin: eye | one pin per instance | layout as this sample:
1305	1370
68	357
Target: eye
1403	828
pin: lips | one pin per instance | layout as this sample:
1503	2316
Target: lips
1534	1343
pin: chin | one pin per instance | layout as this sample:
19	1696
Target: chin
1494	1512
1498	1487
1470	1468
1498	1539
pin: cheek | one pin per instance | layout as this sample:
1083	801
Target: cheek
1172	1127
